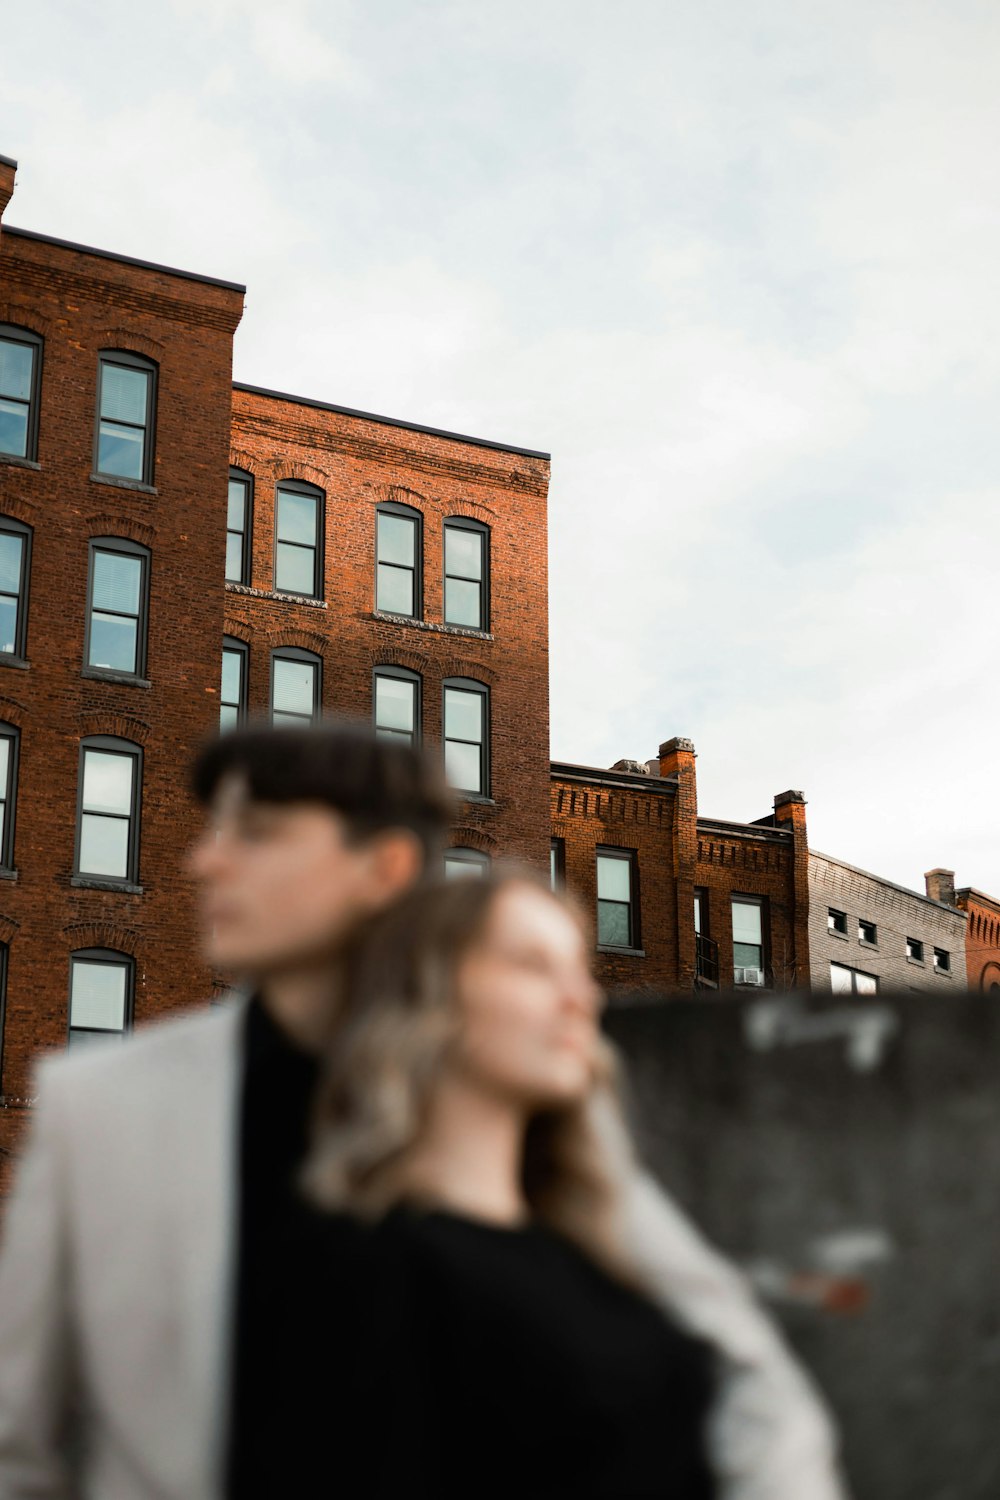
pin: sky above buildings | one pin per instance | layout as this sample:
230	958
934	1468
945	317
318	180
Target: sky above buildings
733	265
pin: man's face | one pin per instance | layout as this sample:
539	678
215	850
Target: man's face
279	883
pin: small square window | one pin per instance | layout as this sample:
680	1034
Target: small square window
867	932
942	960
836	921
915	949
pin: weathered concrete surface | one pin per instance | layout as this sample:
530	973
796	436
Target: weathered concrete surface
848	1153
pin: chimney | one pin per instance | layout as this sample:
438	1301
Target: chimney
677	757
790	807
940	886
653	766
634	767
8	168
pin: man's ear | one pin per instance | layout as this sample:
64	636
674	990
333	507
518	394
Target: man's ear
397	861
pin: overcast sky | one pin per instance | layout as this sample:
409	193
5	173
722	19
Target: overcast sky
733	264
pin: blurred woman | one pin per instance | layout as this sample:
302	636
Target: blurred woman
487	1333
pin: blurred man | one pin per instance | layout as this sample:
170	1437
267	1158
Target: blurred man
137	1308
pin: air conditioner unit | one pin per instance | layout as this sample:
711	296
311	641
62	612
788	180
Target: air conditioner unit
748	976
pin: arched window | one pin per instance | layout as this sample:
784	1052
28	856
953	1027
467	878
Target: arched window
20	382
239	527
467	735
117	606
15	572
101	995
235	671
298	539
296	686
459	863
399	560
107	823
396	709
126	416
10	741
466	573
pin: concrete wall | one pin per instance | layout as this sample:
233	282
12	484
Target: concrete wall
848	1154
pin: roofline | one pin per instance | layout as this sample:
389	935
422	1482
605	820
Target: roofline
881	880
125	260
752	830
633	780
370	416
978	895
9	161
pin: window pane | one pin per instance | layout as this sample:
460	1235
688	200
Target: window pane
397	540
15	369
4	763
747	955
697	912
297	518
113	642
295	569
120	450
395	590
746	922
613	878
232	675
613	924
236	515
104	846
293	686
458	869
840	979
234	557
463	715
107	782
228	716
395	703
13	428
11	549
123	394
117	582
463	552
461	763
866	984
8	624
461	603
98	994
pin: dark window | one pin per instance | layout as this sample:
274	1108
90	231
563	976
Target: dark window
298	540
748	940
836	921
101	986
233	698
117	606
915	949
3	1006
15	566
107	842
296	686
397	705
466	573
9	746
867	931
398	549
461	862
616	925
126	410
466	735
942	960
701	925
239	527
20	375
845	981
557	864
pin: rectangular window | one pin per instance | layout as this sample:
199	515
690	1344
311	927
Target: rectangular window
20	357
233	697
867	932
3	1006
238	529
8	784
397	548
124	446
396	706
557	864
295	688
459	863
107	842
465	738
297	561
748	940
836	921
616	927
15	547
116	614
465	574
942	960
845	981
915	949
100	1001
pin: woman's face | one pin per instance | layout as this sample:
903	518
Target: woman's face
528	1002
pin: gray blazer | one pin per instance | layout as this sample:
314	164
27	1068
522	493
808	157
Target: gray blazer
116	1287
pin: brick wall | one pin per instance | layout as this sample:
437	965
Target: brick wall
982	945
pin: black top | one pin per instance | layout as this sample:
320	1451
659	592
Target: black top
434	1356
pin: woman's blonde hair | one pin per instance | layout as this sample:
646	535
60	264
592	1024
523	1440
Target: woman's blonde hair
397	1020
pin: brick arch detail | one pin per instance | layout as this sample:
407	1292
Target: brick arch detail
474	509
397	494
305	640
102	935
306	473
473	838
240	459
25	317
12	712
19	509
460	666
102	722
130	342
990	976
240	630
386	656
136	531
9	929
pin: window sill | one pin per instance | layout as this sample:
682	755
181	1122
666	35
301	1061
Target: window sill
95	883
464	631
251	593
622	952
7	874
124	484
20	463
921	963
840	936
102	674
475	798
8	659
864	943
944	973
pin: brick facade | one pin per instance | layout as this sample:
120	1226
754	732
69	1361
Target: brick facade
982	933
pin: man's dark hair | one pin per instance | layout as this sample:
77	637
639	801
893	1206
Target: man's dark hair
374	784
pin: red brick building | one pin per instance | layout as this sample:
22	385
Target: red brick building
681	901
366	565
982	933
